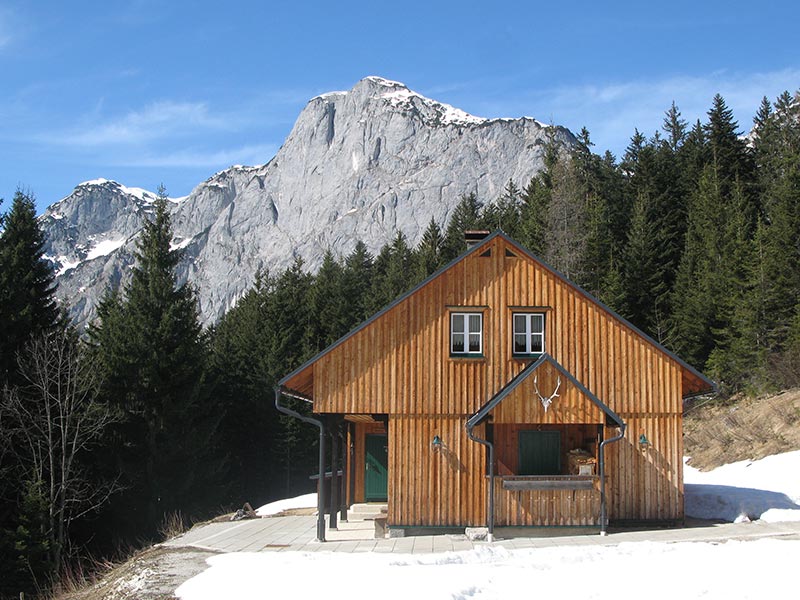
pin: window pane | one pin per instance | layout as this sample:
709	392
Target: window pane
519	344
537	321
519	323
474	342
458	323
475	323
536	343
457	343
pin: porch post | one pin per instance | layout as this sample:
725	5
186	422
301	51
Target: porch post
334	501
321	486
343	480
351	477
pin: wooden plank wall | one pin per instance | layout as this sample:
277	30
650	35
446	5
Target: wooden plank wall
647	483
443	487
546	507
400	365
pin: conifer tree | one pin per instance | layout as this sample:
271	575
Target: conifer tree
427	256
327	304
154	354
392	274
534	214
504	213
357	284
465	216
27	285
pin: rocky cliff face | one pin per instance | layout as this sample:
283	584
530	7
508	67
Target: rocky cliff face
361	164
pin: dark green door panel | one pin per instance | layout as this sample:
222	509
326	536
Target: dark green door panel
376	476
539	453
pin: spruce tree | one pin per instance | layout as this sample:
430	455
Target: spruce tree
27	285
327	304
504	213
534	214
357	284
465	216
154	354
427	257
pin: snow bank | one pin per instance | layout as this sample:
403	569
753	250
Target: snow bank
629	570
273	508
767	489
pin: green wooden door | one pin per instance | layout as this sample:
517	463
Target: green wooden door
539	453
376	475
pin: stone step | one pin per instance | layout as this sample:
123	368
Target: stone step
370	507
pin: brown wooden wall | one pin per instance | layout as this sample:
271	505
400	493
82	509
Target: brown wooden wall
441	487
399	364
647	484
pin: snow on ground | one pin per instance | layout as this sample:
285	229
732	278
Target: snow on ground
768	488
758	569
273	508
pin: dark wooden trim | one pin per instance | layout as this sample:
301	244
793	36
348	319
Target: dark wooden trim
548	483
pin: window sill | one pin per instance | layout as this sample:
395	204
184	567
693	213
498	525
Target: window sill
467	357
527	356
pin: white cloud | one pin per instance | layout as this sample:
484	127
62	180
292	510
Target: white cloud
160	120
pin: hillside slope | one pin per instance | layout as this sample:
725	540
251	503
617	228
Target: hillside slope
717	433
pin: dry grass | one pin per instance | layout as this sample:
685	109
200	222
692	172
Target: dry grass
717	433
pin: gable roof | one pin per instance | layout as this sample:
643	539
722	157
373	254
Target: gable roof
701	379
484	410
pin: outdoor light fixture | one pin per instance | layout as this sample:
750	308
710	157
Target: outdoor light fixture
437	442
643	441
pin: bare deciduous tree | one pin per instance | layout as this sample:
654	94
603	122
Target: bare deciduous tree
49	424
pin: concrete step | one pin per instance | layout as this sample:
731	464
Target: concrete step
369	508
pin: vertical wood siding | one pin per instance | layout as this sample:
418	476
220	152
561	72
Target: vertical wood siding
435	486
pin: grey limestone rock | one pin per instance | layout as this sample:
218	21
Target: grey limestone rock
357	165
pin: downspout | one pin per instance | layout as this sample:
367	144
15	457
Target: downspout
603	511
321	484
490	445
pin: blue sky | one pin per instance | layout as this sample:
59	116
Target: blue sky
146	92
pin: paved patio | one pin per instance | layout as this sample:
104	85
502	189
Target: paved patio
297	533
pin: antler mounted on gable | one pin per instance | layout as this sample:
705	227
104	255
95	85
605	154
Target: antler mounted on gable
549	400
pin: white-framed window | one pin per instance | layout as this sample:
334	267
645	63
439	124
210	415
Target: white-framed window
466	333
528	333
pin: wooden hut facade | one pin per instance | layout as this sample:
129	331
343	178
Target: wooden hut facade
494	393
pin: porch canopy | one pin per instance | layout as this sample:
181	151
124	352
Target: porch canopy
546	433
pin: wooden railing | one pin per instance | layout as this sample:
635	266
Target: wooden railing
567	500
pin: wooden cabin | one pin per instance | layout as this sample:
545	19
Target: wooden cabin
498	393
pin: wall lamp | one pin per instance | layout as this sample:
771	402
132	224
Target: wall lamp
644	443
437	442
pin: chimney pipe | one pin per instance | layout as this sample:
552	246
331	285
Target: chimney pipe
473	237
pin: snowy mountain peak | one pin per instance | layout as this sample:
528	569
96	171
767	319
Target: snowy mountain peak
116	187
